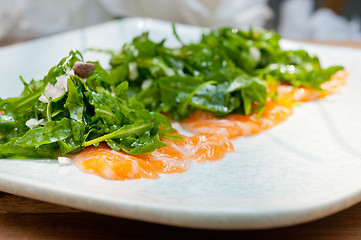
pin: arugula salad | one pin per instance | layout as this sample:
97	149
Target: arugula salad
226	72
78	103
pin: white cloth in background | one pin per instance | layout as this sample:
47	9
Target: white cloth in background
299	20
207	13
22	19
25	19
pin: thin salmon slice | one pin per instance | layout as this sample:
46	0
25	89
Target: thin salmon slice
176	157
211	143
276	111
236	125
304	94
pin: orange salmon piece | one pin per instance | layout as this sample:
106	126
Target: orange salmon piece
236	125
201	147
304	94
176	157
110	164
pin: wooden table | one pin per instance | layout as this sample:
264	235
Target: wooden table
23	218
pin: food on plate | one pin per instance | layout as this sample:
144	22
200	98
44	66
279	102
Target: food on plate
275	111
116	123
235	125
232	82
78	112
304	94
176	157
63	113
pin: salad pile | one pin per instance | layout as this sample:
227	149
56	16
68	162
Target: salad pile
226	72
78	103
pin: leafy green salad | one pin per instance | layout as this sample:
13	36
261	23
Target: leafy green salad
79	103
63	113
225	72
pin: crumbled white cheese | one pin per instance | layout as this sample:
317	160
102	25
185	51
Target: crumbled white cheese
64	161
255	54
289	69
176	45
133	70
70	72
180	72
32	122
55	91
169	72
62	82
146	83
43	99
134	50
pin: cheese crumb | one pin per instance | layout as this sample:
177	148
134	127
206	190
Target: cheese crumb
133	70
146	83
255	54
55	91
70	72
32	122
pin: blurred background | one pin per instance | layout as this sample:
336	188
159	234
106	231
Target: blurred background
311	20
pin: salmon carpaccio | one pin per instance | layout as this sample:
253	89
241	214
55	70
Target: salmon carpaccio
210	143
176	157
304	94
276	111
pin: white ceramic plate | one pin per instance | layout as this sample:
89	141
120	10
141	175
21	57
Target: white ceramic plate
301	170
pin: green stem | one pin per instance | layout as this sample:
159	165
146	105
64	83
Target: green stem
48	111
118	134
186	103
176	34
